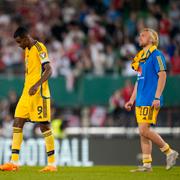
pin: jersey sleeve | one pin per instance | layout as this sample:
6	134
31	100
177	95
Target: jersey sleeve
42	53
159	62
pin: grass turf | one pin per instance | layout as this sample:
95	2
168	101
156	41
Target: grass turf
91	173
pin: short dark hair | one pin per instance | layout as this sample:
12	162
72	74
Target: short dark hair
20	32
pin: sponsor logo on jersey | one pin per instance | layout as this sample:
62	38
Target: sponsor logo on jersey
43	55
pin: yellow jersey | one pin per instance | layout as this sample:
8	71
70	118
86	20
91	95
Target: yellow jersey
34	58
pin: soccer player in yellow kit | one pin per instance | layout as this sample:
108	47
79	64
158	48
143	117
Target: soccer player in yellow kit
34	103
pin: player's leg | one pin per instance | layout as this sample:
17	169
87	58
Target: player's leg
146	147
16	145
21	114
17	139
171	155
41	113
145	131
148	115
147	136
49	142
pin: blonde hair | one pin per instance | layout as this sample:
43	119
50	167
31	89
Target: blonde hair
154	36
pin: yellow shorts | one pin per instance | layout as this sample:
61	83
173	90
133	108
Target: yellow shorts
146	114
35	108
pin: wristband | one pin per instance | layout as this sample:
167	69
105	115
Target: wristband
157	98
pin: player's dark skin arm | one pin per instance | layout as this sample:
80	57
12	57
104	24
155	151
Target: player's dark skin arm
46	74
19	122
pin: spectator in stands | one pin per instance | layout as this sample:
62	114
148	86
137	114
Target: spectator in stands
164	31
111	22
97	116
175	63
116	109
127	90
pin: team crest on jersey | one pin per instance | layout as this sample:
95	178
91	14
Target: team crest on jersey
43	55
139	71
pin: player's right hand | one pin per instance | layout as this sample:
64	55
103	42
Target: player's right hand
33	90
128	106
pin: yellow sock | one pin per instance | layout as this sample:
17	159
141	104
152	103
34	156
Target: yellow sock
166	149
16	143
49	141
147	160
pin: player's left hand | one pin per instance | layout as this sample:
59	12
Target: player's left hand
156	104
33	90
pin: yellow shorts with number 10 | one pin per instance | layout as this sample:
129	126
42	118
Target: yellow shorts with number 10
34	108
146	114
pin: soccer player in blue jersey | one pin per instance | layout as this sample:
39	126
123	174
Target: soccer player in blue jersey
151	67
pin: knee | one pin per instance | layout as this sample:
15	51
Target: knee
44	127
19	123
143	132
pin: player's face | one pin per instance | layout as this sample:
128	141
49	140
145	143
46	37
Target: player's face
144	39
23	42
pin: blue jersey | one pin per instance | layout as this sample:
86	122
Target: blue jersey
147	78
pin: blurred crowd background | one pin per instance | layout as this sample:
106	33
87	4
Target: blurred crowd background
97	37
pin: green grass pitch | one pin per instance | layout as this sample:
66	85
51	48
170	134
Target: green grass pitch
92	173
